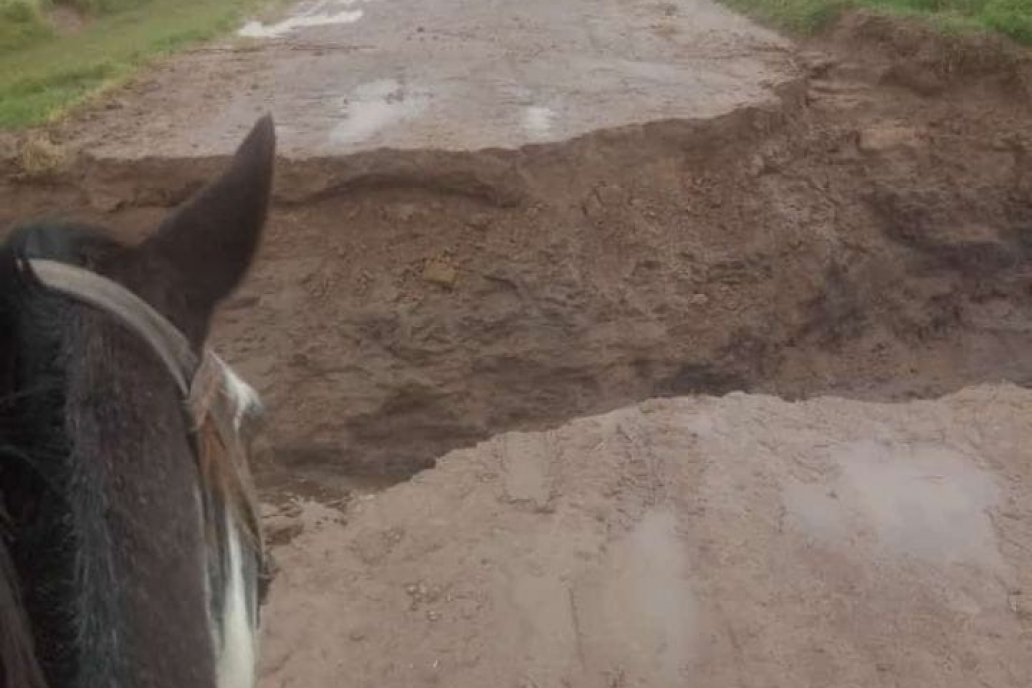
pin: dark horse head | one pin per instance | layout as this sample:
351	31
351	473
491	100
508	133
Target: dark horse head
129	552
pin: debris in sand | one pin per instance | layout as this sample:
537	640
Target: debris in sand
442	272
884	137
39	156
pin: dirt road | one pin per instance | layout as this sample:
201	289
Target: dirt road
347	75
504	216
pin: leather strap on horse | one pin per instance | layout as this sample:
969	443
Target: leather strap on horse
222	456
132	311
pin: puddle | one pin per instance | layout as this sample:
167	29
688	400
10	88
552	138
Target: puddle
663	596
921	500
317	14
642	592
377	105
538	120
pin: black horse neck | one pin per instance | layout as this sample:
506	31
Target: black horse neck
97	468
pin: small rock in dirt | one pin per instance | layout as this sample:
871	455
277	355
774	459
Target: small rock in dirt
610	194
882	138
402	213
105	202
817	64
278	534
757	165
480	222
373	546
1008	142
40	156
440	272
921	81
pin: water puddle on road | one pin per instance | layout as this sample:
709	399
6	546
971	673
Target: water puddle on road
313	15
921	500
377	105
538	121
642	592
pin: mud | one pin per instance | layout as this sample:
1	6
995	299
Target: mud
740	541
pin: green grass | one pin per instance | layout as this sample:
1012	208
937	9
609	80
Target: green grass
43	74
21	24
1010	17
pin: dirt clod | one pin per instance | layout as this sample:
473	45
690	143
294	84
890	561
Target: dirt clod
40	157
440	272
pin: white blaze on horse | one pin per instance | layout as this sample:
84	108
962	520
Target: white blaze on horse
130	549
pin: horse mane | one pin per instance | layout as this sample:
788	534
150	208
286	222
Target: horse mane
225	480
19	664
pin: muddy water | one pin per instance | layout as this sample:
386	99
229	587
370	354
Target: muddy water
375	106
645	595
305	16
922	501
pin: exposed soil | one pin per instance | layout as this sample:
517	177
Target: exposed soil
741	541
866	236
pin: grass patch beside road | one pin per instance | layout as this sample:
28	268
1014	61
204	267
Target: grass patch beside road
21	24
43	73
1010	17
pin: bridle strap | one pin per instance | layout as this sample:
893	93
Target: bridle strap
164	339
199	380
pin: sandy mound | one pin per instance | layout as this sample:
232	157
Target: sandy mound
739	541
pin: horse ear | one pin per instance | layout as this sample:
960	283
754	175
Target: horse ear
210	241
